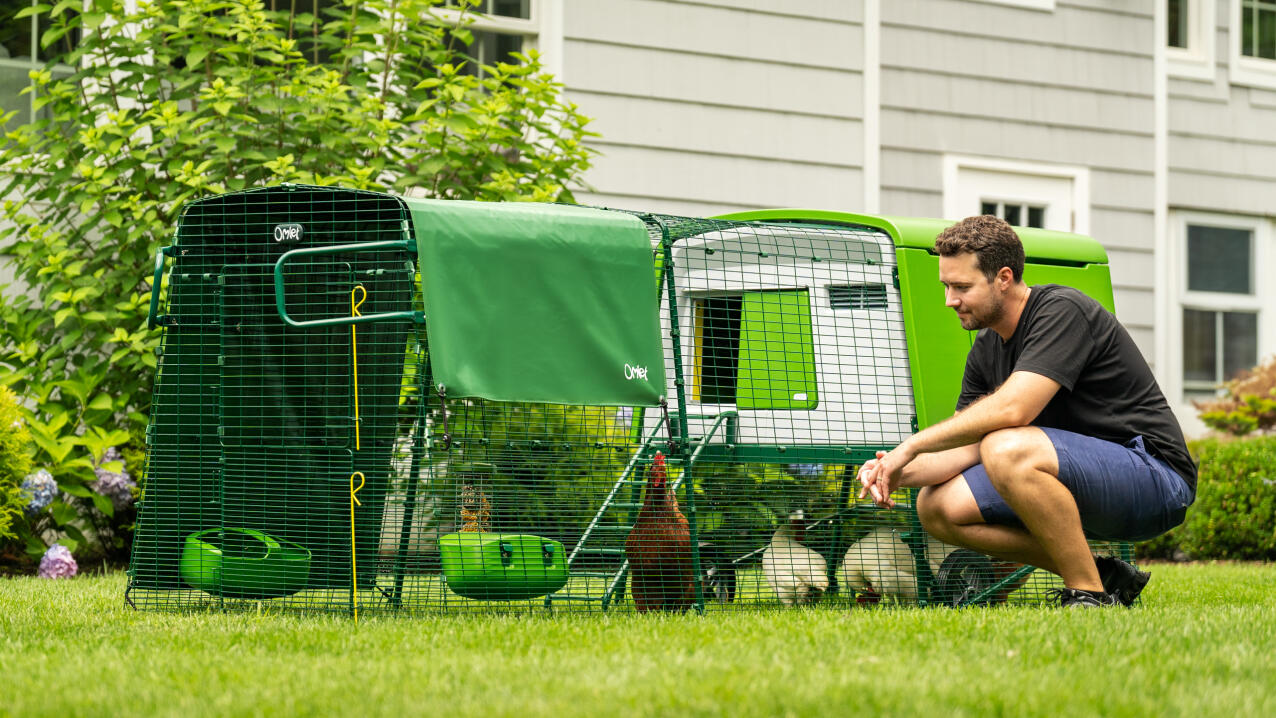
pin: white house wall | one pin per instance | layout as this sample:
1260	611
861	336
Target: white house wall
707	107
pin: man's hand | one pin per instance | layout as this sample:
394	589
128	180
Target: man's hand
880	477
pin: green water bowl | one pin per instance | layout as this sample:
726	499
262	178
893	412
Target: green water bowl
244	563
502	567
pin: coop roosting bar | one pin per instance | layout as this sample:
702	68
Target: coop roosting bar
377	404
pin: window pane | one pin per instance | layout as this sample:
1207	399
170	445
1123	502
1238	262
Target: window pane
1199	351
988	208
1247	28
1012	214
512	8
1267	32
1178	23
1240	342
1218	260
15	35
1036	216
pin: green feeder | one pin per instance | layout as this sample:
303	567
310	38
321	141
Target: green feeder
244	563
502	567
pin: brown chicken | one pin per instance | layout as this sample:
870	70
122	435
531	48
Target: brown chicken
659	549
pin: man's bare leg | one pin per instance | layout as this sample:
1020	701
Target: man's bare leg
949	512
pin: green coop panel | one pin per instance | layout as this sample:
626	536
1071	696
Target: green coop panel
777	354
755	350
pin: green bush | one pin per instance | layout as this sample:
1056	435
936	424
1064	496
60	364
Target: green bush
15	460
1234	516
172	100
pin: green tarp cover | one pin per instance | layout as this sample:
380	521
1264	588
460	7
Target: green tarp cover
539	303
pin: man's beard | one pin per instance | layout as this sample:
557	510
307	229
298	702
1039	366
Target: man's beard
982	320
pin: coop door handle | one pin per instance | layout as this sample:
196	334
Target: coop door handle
153	318
406	245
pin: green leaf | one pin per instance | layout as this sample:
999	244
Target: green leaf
101	402
63	513
79	490
104	505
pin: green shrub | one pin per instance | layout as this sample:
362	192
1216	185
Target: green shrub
1234	516
15	460
167	101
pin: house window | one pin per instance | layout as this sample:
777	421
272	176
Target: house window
1019	214
20	53
755	350
1190	38
1022	193
1220	305
1258	28
500	27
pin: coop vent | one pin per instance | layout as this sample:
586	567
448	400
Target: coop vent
857	296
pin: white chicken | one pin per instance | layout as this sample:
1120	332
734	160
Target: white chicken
797	574
880	564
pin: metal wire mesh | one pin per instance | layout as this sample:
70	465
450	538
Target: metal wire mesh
317	468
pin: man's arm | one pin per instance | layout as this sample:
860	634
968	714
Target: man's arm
1015	403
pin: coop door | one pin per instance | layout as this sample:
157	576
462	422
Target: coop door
282	386
756	350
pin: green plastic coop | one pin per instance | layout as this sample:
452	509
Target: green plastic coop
375	403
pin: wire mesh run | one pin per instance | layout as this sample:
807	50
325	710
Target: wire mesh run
318	467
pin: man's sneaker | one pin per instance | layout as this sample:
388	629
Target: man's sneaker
1078	598
1123	581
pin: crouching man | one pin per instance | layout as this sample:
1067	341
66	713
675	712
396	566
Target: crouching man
1061	431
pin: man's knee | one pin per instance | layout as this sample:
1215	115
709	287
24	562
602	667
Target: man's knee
939	512
1011	454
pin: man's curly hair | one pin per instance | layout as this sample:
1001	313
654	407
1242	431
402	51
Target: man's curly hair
992	241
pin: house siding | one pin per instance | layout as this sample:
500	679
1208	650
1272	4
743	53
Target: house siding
708	107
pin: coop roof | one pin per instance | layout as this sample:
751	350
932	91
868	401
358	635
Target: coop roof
539	303
1041	245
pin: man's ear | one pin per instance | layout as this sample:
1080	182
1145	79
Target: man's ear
1005	278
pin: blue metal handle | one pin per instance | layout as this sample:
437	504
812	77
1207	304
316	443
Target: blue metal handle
152	316
406	245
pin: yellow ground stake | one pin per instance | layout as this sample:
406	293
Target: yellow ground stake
354	563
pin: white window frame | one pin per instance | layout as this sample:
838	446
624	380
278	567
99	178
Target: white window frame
541	30
1243	69
1078	177
1262	301
1196	61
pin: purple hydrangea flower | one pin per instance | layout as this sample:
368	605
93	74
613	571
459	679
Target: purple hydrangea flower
806	471
41	487
58	563
118	487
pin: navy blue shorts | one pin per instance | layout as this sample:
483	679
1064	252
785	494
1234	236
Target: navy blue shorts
1123	492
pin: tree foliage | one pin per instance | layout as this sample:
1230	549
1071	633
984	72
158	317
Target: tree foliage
167	101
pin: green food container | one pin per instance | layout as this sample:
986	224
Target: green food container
244	563
502	567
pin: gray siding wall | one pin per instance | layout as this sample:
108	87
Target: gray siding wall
706	107
1222	138
1070	87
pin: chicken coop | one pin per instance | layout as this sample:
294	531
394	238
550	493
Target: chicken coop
380	404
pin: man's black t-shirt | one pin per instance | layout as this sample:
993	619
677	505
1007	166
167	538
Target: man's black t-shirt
1107	390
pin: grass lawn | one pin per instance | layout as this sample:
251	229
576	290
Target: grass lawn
1202	643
